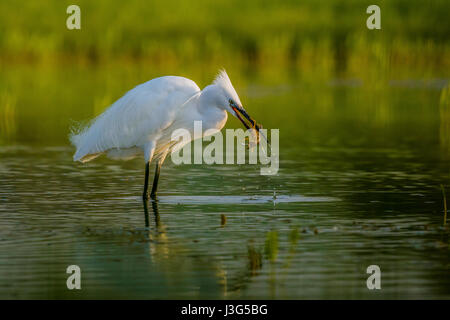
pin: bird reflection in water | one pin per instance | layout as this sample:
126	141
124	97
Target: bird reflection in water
155	213
160	249
167	254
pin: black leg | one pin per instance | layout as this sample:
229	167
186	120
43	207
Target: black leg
147	172
155	212
155	180
147	222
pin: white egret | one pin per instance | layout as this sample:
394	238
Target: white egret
143	120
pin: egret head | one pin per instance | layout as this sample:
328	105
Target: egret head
226	92
229	100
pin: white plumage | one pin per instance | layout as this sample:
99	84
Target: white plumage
144	118
135	119
142	121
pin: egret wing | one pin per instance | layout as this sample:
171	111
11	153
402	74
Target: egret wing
136	119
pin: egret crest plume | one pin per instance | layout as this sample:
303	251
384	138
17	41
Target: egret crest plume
224	81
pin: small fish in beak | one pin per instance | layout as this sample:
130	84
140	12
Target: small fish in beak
253	124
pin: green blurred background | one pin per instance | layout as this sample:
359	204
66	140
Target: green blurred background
51	77
330	35
364	118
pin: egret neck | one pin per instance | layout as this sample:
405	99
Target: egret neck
209	106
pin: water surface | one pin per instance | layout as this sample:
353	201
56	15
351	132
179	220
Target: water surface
358	185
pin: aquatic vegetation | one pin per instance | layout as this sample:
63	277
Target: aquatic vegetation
444	113
445	204
327	36
271	246
254	259
7	116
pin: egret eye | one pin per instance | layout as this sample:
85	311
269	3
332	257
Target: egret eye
231	101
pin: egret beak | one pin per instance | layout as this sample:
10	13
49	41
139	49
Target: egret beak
238	111
238	115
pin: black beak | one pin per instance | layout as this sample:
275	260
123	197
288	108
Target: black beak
253	123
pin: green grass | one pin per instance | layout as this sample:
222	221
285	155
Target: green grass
59	75
445	204
330	36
